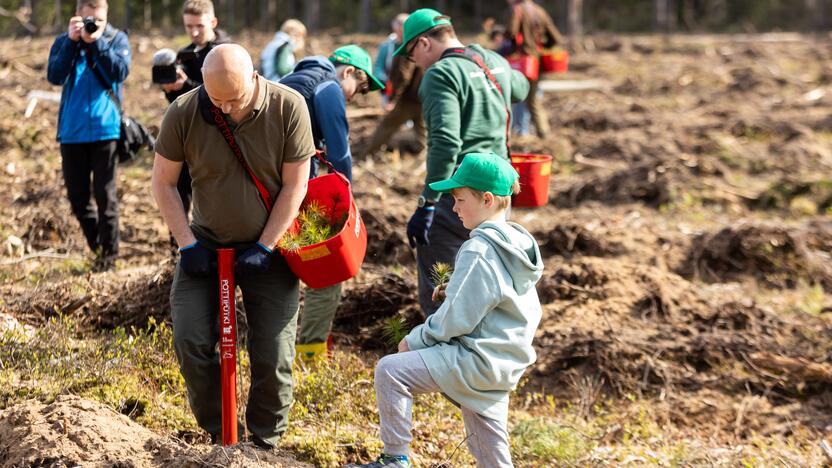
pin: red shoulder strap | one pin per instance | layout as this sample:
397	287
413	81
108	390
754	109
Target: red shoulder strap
225	130
481	63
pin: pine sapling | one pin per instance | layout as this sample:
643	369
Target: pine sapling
394	330
440	273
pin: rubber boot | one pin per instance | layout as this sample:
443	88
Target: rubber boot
312	351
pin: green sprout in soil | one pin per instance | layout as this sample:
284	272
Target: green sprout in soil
440	273
315	227
395	329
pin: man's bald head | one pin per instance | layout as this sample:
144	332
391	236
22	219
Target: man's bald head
229	77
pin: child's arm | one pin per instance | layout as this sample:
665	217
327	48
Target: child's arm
472	292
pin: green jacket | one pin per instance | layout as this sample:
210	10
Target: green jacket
479	342
464	113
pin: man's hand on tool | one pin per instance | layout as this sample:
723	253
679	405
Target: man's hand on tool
197	260
419	226
257	259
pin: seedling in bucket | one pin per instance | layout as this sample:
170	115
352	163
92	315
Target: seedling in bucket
313	227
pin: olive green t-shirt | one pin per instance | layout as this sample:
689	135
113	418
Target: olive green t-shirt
227	209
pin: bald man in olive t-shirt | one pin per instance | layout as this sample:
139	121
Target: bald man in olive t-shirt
270	123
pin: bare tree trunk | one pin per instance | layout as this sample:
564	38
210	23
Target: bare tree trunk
312	14
365	17
575	25
662	11
58	15
250	5
232	14
128	13
166	14
813	14
267	20
148	15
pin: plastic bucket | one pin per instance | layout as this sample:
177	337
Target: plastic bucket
555	61
338	258
526	64
534	171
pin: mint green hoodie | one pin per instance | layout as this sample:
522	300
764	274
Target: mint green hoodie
479	342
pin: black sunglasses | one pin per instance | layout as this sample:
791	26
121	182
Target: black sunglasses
409	50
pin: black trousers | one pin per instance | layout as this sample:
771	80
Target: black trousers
90	170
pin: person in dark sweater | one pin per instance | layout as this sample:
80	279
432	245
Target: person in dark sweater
328	84
201	26
464	112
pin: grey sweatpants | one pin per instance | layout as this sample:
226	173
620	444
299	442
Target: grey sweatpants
401	376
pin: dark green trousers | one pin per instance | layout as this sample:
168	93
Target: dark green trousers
271	306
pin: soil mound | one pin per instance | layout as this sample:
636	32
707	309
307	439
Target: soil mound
622	329
365	310
650	183
106	301
386	240
73	431
778	256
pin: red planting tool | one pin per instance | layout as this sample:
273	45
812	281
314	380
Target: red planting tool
228	346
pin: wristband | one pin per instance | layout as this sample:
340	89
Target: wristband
189	246
264	247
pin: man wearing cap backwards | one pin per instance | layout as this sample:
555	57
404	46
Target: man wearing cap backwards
327	85
270	124
464	113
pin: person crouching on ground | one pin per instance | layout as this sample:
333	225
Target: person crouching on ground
475	348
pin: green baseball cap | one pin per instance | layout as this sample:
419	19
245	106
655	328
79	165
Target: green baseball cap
420	22
485	172
359	58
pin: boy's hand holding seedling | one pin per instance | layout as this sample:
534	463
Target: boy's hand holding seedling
440	274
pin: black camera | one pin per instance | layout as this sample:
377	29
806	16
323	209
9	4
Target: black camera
167	63
89	25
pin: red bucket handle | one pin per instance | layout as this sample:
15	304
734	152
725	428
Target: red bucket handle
320	155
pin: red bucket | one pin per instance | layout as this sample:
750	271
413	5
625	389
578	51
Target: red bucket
555	61
534	170
338	258
526	64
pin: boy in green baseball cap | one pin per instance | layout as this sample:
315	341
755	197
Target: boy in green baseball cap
327	84
466	96
477	345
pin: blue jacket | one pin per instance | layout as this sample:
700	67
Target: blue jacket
383	64
268	58
315	79
87	113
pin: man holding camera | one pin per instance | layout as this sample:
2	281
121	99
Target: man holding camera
179	73
90	54
201	26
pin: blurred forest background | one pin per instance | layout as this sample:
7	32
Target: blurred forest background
575	17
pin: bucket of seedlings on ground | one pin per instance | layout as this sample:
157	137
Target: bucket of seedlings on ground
326	243
534	171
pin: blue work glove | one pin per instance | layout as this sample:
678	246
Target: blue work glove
257	259
419	225
197	260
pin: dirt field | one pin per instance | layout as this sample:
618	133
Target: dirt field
687	239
